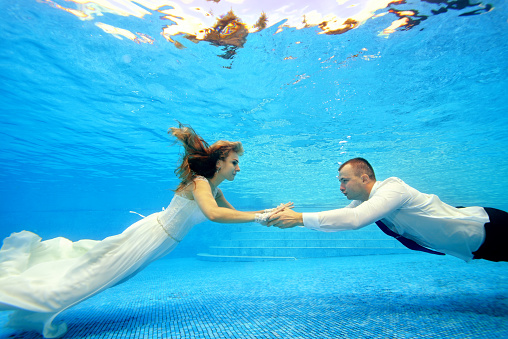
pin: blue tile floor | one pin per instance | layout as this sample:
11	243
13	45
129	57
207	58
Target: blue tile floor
389	296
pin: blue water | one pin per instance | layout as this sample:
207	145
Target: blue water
84	115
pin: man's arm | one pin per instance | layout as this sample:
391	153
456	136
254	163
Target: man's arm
353	217
328	221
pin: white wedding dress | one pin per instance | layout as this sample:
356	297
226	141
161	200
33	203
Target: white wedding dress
40	279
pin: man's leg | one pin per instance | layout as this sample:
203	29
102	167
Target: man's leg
495	246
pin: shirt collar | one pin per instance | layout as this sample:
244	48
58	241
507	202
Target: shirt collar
374	188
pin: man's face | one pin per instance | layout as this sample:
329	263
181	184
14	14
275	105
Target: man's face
352	186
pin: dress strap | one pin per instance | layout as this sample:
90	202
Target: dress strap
202	178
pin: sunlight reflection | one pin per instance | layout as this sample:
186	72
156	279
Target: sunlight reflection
228	22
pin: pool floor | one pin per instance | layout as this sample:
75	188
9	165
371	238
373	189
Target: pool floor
387	296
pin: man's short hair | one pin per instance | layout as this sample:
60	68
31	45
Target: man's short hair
360	166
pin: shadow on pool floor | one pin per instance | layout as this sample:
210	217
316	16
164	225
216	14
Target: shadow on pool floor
389	296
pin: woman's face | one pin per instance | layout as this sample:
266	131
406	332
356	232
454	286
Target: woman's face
230	166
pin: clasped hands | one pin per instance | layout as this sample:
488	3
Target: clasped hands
283	217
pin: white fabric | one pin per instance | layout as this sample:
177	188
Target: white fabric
262	217
415	215
40	279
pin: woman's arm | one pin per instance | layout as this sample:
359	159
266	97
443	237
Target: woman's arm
219	210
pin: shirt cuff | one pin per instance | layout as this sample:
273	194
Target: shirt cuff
311	220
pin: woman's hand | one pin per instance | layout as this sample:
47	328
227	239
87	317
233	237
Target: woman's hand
263	218
286	205
279	208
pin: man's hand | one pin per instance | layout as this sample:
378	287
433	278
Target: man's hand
270	212
285	219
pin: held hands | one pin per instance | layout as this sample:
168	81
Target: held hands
263	218
285	219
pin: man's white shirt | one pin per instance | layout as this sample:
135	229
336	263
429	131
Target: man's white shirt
421	217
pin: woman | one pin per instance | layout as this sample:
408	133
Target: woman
40	279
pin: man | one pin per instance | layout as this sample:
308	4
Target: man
420	221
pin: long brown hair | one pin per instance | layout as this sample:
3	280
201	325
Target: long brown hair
199	157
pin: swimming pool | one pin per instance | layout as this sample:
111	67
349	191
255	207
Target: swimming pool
419	88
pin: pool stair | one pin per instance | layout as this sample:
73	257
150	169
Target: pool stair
254	243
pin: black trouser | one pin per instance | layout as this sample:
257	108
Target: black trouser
495	246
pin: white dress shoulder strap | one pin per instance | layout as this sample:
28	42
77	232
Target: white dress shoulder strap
202	178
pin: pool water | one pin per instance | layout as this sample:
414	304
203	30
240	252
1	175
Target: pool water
419	88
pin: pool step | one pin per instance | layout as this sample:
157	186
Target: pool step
388	242
267	244
213	257
303	233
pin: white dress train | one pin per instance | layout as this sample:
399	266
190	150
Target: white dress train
40	279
